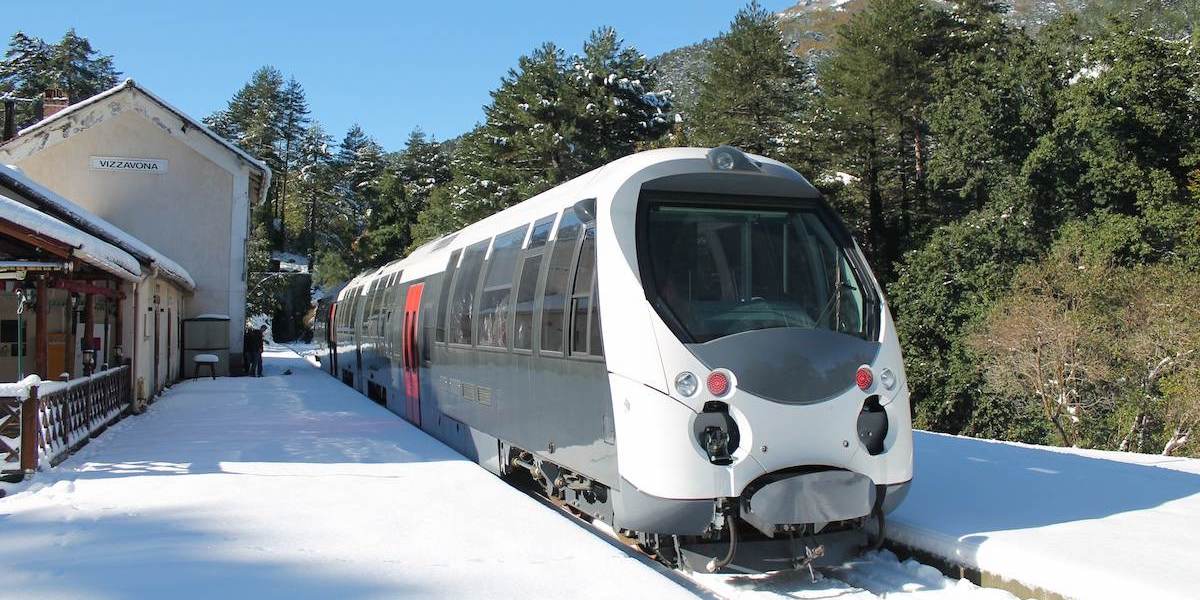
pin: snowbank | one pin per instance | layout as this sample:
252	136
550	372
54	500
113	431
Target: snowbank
1083	524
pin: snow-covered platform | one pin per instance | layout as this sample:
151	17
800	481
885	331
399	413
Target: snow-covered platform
293	486
1076	523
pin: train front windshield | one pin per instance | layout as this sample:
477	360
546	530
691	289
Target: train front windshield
723	267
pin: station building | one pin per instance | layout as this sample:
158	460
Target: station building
78	295
132	171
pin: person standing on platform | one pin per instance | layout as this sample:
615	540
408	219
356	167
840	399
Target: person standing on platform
252	350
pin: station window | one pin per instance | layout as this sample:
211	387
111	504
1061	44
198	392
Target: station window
443	302
462	302
496	298
561	257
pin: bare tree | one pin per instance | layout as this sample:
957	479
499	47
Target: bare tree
1163	324
1039	349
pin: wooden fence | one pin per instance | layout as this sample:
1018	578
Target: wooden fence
42	424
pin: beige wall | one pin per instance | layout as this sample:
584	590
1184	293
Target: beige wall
184	213
171	302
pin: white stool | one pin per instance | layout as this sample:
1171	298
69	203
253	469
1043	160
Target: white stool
206	360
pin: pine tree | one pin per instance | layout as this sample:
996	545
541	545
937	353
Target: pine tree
525	145
423	165
622	108
875	89
755	91
440	216
311	215
80	71
31	67
402	194
293	124
250	121
26	69
360	165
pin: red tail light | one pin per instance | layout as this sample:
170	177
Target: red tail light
864	378
718	383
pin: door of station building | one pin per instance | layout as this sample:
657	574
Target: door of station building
409	356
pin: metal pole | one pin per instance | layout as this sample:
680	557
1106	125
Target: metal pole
20	341
41	351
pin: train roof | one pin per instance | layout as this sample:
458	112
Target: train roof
598	183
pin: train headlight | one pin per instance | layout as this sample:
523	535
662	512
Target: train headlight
723	161
728	158
686	384
887	378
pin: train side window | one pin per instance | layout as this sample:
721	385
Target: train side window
371	309
377	306
463	295
352	313
581	292
526	297
527	283
562	255
496	298
443	306
541	232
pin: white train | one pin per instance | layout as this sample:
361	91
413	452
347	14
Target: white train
685	343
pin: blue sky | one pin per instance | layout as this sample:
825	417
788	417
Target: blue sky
389	66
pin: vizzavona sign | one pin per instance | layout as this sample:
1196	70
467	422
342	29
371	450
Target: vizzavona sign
117	163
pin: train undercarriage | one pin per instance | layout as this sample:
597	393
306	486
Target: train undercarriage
730	544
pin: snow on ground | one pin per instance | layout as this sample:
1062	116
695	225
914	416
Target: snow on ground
293	486
297	486
1082	523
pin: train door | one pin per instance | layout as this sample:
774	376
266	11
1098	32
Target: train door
410	360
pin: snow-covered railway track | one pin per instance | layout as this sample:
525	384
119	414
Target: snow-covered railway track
873	576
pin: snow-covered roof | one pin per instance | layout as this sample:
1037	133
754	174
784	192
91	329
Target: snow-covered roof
87	247
130	84
72	213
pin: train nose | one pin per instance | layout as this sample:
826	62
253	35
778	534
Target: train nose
822	496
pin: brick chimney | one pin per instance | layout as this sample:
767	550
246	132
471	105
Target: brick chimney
53	101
